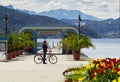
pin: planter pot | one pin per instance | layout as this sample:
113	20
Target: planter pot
12	54
21	51
76	56
8	56
68	80
27	47
17	53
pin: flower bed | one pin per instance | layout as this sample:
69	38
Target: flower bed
100	70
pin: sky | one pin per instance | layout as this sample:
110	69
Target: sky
98	8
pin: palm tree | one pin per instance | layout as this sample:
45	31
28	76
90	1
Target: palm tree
76	43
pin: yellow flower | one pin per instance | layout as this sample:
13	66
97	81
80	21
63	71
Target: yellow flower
103	64
95	73
118	79
92	65
80	79
87	66
94	78
118	66
97	66
118	73
114	80
77	72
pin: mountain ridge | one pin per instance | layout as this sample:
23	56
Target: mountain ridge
17	19
68	14
20	19
109	28
60	14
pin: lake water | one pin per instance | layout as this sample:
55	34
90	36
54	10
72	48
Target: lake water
104	47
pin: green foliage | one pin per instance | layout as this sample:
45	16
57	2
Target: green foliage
100	70
21	40
75	43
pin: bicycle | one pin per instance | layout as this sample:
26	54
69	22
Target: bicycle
38	58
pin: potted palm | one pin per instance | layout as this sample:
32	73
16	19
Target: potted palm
28	42
76	43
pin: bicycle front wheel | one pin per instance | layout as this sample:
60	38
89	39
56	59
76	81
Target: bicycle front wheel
38	59
53	59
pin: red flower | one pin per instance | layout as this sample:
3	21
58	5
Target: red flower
109	66
114	61
118	61
92	75
100	66
96	71
92	71
117	69
101	71
105	61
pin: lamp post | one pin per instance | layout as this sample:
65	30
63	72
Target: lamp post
6	19
79	19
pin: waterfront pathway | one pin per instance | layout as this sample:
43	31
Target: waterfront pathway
23	69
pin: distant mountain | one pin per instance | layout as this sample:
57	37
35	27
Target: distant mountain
10	6
27	11
59	14
106	28
17	20
109	28
68	14
24	11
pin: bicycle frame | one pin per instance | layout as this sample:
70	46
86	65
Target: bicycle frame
50	57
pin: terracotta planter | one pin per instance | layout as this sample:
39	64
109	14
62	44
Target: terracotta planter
17	53
68	80
12	54
76	56
8	56
21	51
27	47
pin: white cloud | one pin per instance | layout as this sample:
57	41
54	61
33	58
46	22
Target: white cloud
98	8
34	5
103	7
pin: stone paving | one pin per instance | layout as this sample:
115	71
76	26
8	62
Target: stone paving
23	69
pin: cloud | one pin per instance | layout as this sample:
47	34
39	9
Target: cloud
98	8
88	2
34	5
103	7
64	4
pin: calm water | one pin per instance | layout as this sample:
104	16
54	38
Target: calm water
104	47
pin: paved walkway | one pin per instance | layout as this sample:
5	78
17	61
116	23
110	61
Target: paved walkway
23	69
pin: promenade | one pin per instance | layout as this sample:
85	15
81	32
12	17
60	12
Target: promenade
23	69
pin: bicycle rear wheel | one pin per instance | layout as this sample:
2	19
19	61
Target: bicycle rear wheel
53	59
38	58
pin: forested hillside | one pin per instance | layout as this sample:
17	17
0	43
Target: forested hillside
17	20
109	28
